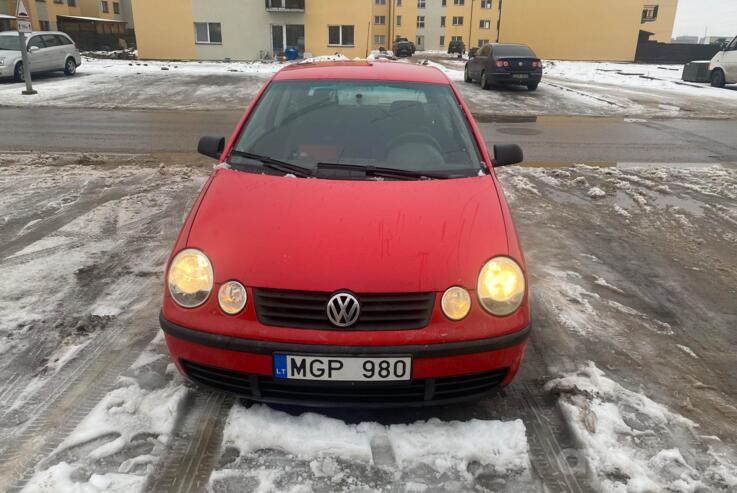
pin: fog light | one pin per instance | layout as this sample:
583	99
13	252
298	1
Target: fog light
456	303
232	297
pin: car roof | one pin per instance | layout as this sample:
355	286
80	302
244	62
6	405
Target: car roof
15	33
363	70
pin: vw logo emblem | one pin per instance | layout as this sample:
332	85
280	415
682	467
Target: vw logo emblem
520	64
343	310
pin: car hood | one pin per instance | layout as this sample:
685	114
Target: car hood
364	236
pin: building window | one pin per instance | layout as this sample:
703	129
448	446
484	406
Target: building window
72	3
208	33
483	42
442	21
420	4
442	41
485	24
379	20
458	2
105	7
58	1
116	8
420	21
44	26
457	38
340	36
399	3
285	4
457	20
380	2
399	20
420	41
485	4
650	13
444	3
379	39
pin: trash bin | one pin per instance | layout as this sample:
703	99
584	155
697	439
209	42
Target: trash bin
291	53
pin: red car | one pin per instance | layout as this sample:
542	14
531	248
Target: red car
353	248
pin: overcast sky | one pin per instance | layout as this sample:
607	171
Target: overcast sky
718	16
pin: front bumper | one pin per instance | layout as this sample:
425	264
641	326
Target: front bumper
7	69
441	373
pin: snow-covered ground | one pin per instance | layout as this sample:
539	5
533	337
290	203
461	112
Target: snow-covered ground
628	384
569	88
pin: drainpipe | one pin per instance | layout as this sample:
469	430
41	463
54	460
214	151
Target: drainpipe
499	22
470	27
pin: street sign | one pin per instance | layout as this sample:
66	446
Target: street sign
21	12
24	27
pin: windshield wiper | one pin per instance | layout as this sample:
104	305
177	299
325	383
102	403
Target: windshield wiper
381	172
275	164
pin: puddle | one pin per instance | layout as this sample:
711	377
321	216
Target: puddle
664	201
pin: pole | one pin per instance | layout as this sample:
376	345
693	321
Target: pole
26	66
499	22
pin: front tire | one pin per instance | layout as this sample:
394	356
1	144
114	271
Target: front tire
484	82
717	78
466	76
70	67
18	73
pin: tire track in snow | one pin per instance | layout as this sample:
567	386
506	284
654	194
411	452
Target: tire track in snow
195	445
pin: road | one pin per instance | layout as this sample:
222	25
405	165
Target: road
544	139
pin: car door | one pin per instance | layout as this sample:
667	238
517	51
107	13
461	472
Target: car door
37	55
729	62
479	61
54	52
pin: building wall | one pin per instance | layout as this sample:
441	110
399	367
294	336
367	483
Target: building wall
585	30
245	26
386	9
319	14
434	10
662	28
164	29
408	11
486	34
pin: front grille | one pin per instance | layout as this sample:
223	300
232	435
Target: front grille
306	310
346	394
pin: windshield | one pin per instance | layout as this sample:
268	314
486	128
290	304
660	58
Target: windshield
406	126
513	50
11	43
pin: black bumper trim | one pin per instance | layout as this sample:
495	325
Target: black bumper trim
270	347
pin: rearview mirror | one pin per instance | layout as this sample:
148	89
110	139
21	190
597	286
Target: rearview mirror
506	154
33	49
211	146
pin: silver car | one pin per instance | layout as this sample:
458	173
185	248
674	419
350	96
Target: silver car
47	52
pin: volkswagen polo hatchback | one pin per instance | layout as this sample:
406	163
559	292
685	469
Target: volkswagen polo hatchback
352	248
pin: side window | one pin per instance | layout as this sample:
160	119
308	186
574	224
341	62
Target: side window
37	42
733	45
51	41
63	40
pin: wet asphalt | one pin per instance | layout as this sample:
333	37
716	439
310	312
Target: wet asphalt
545	139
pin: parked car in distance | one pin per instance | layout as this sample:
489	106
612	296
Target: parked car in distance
47	52
352	249
504	64
457	46
403	47
723	66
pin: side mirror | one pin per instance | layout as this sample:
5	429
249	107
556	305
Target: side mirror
506	154
33	49
211	146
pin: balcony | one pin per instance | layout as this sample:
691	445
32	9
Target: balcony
285	5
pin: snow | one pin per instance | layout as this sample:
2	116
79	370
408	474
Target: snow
596	193
616	428
600	281
687	350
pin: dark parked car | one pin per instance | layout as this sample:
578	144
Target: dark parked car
505	64
402	48
457	46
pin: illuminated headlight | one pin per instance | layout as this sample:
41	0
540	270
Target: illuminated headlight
190	278
501	286
456	303
232	297
2	62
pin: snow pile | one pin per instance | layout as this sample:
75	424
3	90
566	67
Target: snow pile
338	57
351	456
630	441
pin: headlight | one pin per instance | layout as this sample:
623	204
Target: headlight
232	297
2	62
456	303
190	278
501	286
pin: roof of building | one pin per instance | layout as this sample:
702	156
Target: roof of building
362	70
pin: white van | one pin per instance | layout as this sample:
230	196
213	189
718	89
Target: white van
723	66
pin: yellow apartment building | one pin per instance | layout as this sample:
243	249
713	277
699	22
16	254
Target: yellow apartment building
249	29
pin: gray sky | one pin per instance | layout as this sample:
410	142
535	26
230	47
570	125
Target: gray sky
719	16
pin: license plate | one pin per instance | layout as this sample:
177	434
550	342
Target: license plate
520	76
342	369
